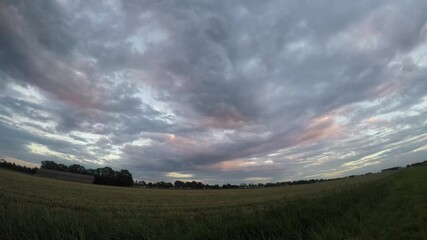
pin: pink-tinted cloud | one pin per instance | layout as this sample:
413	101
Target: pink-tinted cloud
242	165
320	128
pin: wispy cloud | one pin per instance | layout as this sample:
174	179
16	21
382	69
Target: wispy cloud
178	175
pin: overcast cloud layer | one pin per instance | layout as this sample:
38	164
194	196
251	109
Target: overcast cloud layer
216	91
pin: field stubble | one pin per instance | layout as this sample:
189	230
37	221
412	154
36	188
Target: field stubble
38	208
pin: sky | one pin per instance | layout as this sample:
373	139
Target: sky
215	91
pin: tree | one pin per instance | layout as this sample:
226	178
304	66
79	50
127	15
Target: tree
62	167
200	185
49	165
76	168
123	178
164	184
179	184
105	175
192	185
16	167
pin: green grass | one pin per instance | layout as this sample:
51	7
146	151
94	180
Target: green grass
378	206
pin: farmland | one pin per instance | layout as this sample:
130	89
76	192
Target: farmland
383	206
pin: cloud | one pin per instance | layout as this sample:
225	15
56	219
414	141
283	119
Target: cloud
178	175
257	179
241	164
224	91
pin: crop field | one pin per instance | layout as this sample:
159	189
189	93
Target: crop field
378	206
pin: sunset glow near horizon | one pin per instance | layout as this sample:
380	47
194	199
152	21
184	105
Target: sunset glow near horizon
215	91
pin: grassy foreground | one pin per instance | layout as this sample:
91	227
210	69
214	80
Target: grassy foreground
379	206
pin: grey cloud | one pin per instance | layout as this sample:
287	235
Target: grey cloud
203	83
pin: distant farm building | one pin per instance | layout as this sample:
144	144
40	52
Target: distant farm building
66	176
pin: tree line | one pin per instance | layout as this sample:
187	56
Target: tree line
419	164
17	167
102	176
199	185
108	176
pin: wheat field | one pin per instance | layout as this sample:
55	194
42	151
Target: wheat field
39	208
